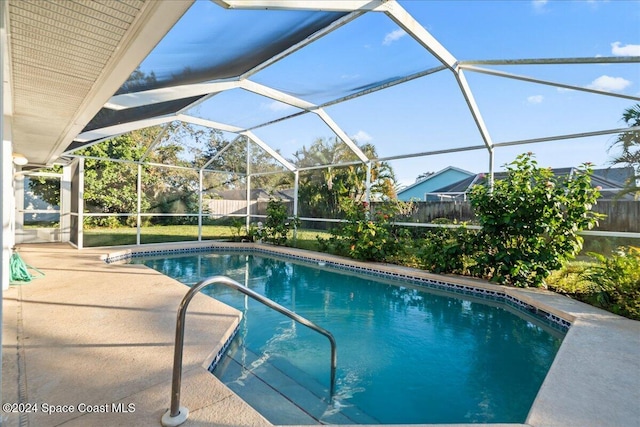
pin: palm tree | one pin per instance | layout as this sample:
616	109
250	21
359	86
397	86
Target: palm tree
629	145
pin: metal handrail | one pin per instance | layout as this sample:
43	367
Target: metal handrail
177	414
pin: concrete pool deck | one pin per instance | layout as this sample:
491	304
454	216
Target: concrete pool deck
97	334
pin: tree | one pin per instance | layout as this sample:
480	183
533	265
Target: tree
231	168
322	189
110	187
176	190
45	188
629	145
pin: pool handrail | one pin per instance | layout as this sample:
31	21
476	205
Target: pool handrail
177	414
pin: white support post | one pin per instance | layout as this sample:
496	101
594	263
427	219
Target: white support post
80	203
7	197
490	177
65	204
200	186
248	171
296	187
17	213
139	205
8	205
367	194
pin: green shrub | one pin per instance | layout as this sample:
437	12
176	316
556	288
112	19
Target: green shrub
530	221
617	282
570	280
278	225
368	235
103	222
448	250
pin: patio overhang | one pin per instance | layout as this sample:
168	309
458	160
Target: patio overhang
64	60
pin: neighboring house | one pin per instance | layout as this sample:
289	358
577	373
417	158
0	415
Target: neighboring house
446	177
610	180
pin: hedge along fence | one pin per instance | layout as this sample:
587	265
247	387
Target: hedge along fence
622	215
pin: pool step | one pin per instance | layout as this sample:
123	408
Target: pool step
282	393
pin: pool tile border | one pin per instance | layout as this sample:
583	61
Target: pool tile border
413	276
216	359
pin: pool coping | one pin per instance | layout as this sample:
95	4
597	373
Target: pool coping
595	377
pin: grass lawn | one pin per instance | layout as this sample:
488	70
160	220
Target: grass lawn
179	233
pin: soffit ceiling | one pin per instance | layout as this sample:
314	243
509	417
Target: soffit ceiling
68	57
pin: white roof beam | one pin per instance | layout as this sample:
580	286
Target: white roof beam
431	153
568	136
155	142
269	150
384	85
154	96
208	123
320	5
341	134
408	23
219	153
110	131
412	27
555	61
545	82
357	94
473	108
197	102
276	95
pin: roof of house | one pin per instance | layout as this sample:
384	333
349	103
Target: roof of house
433	175
611	180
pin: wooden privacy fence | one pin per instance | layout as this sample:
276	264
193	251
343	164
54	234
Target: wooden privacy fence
622	215
239	207
231	207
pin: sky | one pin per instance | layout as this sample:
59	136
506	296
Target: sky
430	113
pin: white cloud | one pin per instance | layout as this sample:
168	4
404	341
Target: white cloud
276	106
626	50
535	99
539	4
611	84
362	136
393	36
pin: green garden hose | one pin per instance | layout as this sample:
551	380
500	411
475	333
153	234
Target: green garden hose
20	271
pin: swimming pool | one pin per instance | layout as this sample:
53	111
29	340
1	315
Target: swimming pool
405	354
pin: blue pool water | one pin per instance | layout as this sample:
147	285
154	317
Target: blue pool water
405	355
